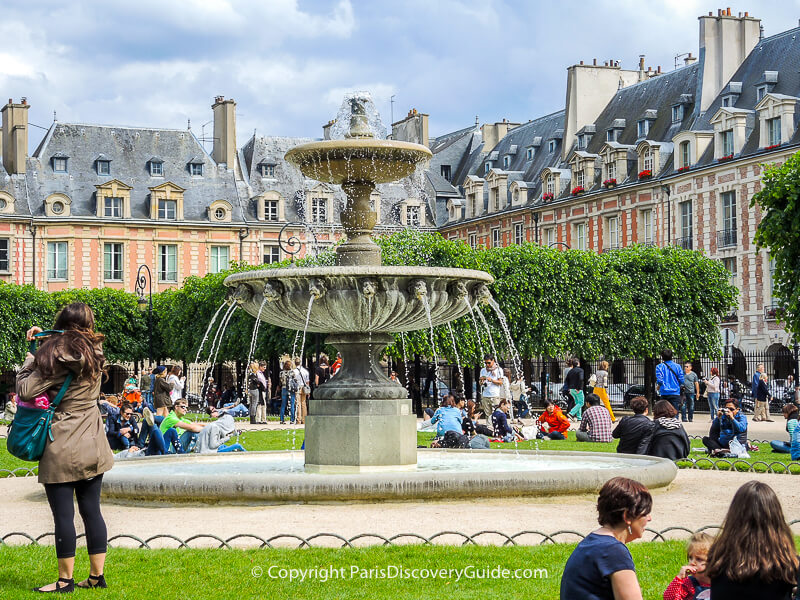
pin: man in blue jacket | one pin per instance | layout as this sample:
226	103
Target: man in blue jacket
669	377
730	423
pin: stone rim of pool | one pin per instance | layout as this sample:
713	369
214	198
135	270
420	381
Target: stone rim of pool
134	479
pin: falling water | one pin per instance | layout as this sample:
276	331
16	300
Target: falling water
205	339
294	343
221	333
405	362
458	358
253	343
511	347
488	331
475	325
305	328
433	343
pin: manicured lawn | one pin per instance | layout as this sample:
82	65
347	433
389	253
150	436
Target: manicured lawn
292	439
188	574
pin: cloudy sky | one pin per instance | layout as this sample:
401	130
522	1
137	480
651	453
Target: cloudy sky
288	63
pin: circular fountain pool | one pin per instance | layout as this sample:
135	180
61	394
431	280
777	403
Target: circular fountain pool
270	477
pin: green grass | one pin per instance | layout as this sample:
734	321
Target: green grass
188	574
292	439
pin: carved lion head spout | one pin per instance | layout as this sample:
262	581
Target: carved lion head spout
482	294
316	288
418	289
369	288
242	294
459	290
273	290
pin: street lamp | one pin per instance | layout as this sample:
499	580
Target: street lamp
145	278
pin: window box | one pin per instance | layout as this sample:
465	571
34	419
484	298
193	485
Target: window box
725	158
578	190
547	196
683	169
646	174
772	147
771	312
609	183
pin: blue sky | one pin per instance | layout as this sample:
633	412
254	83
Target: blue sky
288	63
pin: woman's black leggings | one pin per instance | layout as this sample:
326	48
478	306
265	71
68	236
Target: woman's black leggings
87	491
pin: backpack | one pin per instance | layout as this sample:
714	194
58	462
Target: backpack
453	439
291	382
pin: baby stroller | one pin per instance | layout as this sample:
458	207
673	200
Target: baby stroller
521	407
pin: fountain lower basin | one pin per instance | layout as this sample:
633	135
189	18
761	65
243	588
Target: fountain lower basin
280	477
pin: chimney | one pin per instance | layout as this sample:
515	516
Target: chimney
689	59
224	131
725	41
414	128
15	136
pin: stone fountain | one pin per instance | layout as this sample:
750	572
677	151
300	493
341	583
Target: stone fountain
359	420
361	435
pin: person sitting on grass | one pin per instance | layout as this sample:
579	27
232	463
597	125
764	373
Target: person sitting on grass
634	431
730	423
122	431
669	439
552	422
596	422
213	436
502	430
446	418
177	431
790	414
692	580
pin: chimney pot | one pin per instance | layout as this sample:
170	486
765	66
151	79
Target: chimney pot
594	62
24	100
746	14
709	14
729	11
659	69
581	62
11	101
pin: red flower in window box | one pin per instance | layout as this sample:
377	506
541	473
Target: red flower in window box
682	169
547	196
609	183
578	190
772	147
724	158
645	174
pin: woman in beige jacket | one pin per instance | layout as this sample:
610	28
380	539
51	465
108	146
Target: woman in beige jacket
75	459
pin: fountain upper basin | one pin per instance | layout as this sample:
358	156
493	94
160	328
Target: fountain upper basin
259	477
365	159
379	299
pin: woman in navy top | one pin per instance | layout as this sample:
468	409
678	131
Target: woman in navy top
601	566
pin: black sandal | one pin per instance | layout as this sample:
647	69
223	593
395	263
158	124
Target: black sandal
94	581
59	589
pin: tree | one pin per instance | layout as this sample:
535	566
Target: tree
779	232
21	307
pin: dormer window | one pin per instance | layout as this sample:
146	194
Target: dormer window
506	162
726	140
647	160
103	166
761	91
112	207
642	127
677	113
685	158
60	163
727	101
488	167
266	169
774	131
167	210
581	142
412	216
579	179
611	171
196	168
551	146
550	185
529	154
612	135
156	166
446	172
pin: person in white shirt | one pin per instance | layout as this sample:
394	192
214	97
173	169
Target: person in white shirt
303	390
178	382
491	381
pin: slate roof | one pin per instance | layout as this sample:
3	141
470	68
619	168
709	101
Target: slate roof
129	149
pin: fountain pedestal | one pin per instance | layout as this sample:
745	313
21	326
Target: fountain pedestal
360	420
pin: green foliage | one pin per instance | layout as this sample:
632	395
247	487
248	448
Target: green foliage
779	232
21	307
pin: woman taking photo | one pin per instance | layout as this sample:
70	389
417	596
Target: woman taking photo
162	392
78	454
601	566
754	556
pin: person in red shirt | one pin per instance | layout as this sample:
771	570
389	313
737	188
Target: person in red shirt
692	583
337	364
552	422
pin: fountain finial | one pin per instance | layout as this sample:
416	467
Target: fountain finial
359	126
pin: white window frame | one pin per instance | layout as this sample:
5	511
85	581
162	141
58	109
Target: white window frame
473	240
497	238
551	146
220	258
647	160
581	142
112	207
732	272
113	262
726	142
611	169
413	216
5	255
164	206
57	261
612	225
319	210
506	162
647	226
270	210
612	135
166	252
267	170
773	131
642	128
686	219
550	236
728	210
529	154
156	169
761	91
104	167
196	169
550	185
579	178
686	153
271	254
519	234
677	113
580	236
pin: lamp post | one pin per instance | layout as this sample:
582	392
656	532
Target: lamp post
536	226
145	278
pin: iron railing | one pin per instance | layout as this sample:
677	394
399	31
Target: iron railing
686	243
726	238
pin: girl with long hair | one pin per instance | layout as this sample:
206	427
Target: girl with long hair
78	453
178	383
754	556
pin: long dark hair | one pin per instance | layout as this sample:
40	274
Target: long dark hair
78	339
755	540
